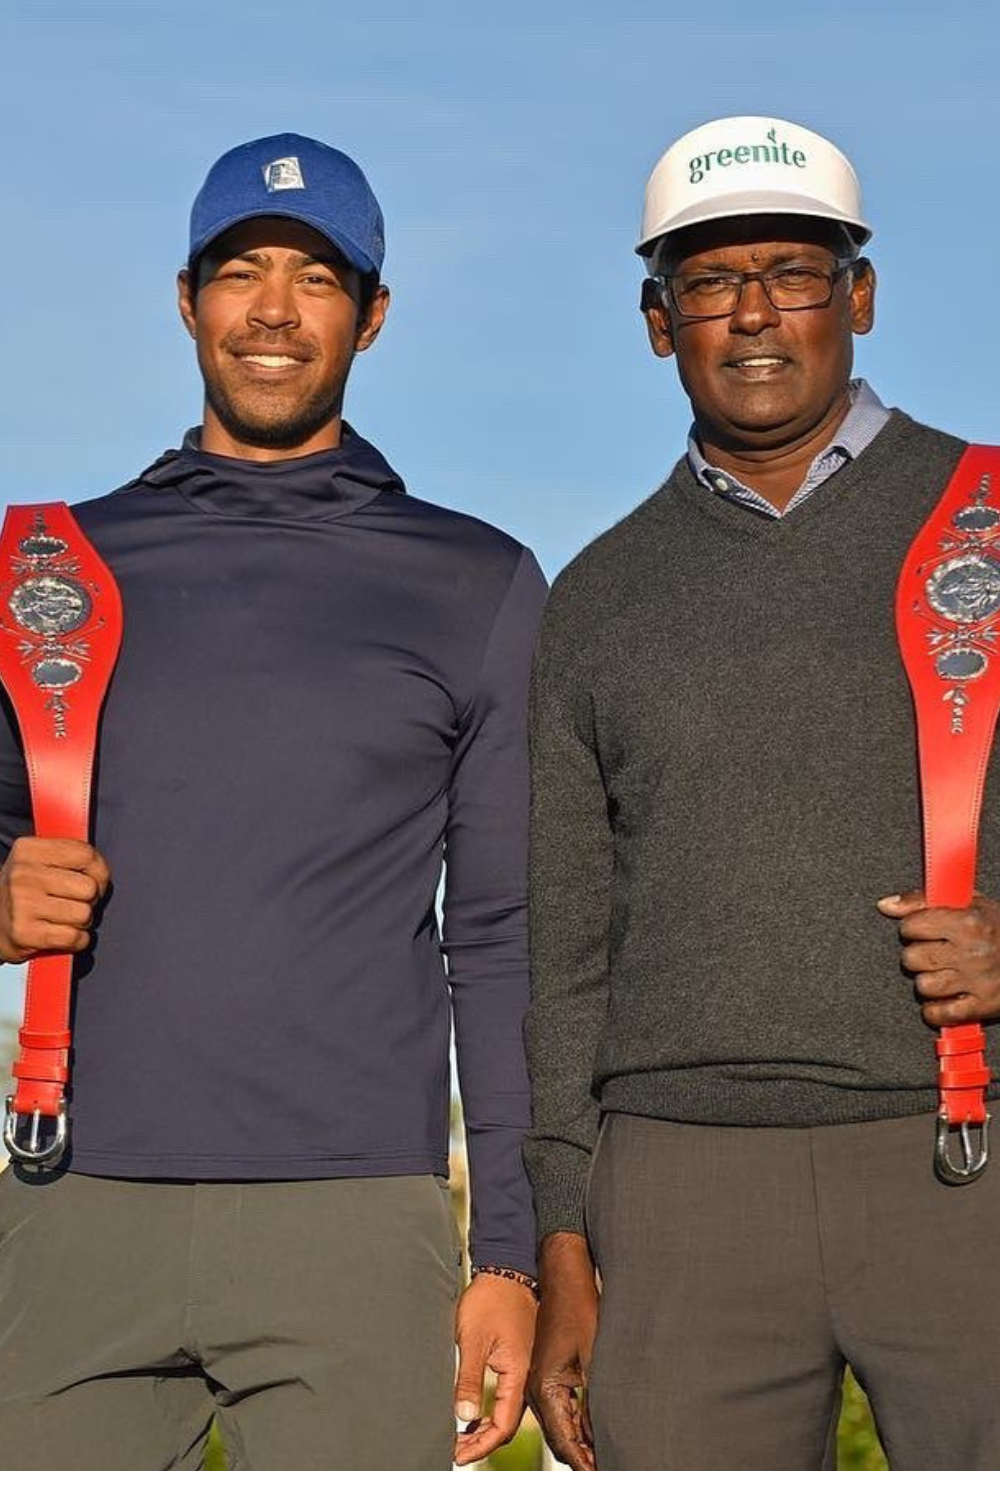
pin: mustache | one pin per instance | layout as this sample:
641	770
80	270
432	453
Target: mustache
303	349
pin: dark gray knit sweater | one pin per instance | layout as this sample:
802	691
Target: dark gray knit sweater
724	783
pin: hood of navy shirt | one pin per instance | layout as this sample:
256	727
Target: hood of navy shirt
333	482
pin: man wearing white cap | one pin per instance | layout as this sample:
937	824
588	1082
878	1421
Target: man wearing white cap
734	1088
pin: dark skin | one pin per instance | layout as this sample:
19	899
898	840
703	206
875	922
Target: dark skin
764	422
953	956
564	1343
768	390
277	316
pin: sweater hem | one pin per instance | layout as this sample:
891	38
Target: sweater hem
722	1099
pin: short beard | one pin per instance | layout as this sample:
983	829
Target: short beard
278	430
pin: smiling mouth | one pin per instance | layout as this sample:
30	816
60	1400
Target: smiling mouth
270	361
758	362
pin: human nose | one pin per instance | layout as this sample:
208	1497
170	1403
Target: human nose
754	309
274	305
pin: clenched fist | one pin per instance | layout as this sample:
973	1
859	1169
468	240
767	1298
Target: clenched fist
953	956
49	891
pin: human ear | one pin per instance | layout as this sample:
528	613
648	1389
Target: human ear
185	299
653	308
370	324
862	297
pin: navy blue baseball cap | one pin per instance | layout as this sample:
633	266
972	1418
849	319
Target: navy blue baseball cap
292	177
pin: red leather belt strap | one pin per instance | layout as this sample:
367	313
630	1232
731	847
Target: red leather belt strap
948	624
60	632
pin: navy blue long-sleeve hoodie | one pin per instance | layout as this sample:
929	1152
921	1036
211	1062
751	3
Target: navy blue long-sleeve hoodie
320	698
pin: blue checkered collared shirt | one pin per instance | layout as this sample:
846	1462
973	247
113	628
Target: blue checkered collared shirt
863	422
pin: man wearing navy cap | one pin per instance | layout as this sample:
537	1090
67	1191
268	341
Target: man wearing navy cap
319	703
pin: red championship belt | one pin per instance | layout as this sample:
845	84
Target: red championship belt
948	623
60	630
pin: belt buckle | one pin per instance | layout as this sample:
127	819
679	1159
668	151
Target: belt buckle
974	1158
35	1151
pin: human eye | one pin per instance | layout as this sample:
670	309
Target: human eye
707	283
318	276
798	278
709	287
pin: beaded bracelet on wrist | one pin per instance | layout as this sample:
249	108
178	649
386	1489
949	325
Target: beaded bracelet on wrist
521	1277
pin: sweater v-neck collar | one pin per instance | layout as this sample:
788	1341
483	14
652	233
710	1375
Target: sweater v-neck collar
682	487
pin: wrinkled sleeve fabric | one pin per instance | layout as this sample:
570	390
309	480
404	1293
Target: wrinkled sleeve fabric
485	936
570	904
15	799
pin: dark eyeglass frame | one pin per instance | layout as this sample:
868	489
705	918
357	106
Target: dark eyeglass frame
737	280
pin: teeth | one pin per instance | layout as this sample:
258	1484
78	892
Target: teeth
271	361
760	361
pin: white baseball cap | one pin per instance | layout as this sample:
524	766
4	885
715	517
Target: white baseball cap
750	164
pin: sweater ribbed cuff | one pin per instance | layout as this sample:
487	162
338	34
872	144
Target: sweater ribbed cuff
558	1175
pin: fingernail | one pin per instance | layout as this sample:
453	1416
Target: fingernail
466	1411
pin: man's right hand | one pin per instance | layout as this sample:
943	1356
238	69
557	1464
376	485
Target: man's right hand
49	890
564	1339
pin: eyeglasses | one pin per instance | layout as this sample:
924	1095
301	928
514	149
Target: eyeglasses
717	294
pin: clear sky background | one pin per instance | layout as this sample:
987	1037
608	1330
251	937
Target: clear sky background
509	146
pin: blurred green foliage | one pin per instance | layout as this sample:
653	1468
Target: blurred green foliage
215	1454
858	1446
524	1451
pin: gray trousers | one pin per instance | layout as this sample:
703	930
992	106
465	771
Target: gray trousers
315	1320
741	1268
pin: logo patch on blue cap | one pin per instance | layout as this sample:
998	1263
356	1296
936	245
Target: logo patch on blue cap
282	174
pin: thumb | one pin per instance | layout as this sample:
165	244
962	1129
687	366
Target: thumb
902	906
469	1386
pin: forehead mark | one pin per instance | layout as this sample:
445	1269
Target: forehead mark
729	259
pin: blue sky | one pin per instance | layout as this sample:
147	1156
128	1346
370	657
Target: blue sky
509	147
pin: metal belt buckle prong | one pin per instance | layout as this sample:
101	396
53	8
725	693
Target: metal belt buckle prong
948	627
35	1150
974	1158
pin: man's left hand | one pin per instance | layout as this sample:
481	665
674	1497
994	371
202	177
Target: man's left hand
494	1329
954	956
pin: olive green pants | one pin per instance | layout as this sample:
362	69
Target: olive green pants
313	1320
